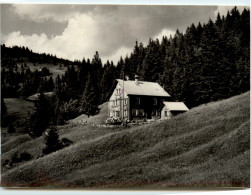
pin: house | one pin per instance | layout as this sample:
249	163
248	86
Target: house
137	100
171	109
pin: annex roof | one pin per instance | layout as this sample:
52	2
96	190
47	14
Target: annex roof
176	106
143	88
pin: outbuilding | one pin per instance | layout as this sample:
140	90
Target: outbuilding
171	109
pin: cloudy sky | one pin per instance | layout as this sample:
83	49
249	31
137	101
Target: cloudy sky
77	31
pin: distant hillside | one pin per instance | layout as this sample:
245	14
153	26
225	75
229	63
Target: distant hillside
22	54
208	146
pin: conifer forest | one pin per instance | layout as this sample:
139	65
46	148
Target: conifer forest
207	62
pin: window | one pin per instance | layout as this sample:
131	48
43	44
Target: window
154	112
125	101
117	113
138	112
125	113
155	101
165	113
138	101
141	112
116	102
134	112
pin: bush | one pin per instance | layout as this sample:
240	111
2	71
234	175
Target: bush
11	128
25	156
17	158
66	142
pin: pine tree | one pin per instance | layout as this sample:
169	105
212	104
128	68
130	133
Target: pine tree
11	128
96	67
90	98
107	81
51	140
50	84
151	65
3	112
42	116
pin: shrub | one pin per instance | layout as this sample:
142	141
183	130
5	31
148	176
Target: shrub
66	142
25	156
11	128
17	158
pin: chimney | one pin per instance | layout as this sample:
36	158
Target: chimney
136	79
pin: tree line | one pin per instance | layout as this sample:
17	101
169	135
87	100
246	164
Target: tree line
207	62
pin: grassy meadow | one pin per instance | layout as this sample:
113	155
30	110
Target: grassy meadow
96	119
17	107
209	146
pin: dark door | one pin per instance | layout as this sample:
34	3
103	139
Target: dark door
149	114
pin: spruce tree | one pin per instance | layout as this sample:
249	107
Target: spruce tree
42	116
3	112
90	97
11	128
51	140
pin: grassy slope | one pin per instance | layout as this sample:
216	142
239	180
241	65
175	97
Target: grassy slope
23	143
207	146
97	119
18	107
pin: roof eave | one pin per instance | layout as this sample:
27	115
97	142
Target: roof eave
151	95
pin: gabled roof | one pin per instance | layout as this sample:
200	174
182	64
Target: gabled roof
143	88
176	106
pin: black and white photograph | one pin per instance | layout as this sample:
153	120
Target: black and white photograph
113	96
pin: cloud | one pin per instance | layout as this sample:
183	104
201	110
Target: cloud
164	32
75	42
43	12
122	51
111	30
224	9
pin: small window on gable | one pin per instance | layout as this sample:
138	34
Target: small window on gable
138	101
155	101
165	113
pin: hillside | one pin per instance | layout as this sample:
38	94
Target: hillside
17	107
208	146
97	119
